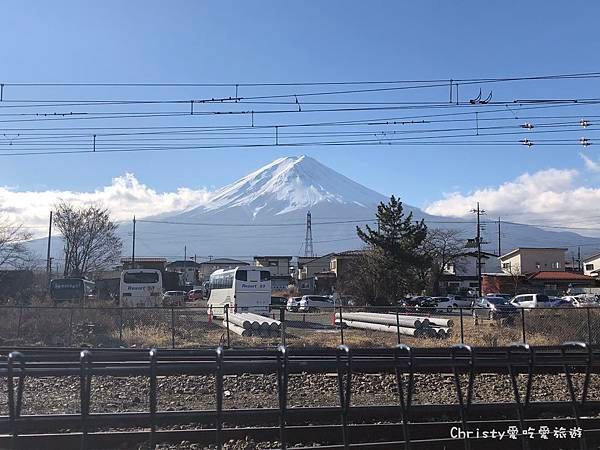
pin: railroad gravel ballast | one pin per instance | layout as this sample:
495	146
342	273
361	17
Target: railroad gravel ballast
405	423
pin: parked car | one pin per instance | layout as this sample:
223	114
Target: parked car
194	294
293	304
314	303
446	304
531	301
499	294
493	308
581	301
461	301
278	303
173	298
562	303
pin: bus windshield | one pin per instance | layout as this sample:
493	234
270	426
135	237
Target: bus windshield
140	277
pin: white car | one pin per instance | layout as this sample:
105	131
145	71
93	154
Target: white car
293	304
531	301
581	301
314	303
445	304
174	298
461	301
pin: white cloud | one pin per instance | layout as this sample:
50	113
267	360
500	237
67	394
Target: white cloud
550	197
590	164
125	196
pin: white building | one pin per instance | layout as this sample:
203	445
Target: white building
525	260
591	265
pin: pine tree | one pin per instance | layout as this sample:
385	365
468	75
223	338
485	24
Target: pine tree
396	248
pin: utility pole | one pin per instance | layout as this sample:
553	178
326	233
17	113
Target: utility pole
578	259
48	259
499	239
185	252
133	246
479	212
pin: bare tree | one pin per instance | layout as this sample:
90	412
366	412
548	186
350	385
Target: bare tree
444	247
516	279
90	238
13	250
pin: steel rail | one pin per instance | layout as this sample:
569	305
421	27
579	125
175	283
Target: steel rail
338	426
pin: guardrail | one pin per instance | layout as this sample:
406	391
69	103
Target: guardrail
464	423
197	327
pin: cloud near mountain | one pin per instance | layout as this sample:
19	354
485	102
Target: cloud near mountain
124	197
552	197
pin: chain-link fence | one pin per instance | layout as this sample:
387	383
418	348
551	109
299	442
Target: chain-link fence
193	327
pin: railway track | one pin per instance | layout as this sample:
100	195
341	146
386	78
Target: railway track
405	425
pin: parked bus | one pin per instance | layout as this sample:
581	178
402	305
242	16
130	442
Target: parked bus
75	290
140	287
241	289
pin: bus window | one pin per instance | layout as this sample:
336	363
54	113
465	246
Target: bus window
265	275
241	275
140	277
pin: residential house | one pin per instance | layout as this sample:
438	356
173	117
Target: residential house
591	265
188	270
550	282
462	274
341	264
277	265
308	267
525	260
205	268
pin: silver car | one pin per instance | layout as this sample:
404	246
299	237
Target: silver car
174	298
293	304
493	308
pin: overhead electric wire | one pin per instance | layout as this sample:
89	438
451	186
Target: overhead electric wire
576	75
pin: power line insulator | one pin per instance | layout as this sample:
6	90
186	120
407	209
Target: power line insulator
584	123
527	126
585	142
526	142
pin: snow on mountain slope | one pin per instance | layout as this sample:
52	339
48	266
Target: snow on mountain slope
286	185
265	212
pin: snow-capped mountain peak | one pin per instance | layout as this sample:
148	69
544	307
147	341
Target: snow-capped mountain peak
288	184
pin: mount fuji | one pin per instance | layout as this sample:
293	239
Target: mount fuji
264	213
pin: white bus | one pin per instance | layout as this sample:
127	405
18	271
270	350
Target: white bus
140	287
241	289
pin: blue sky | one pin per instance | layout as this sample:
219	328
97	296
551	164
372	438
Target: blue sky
274	41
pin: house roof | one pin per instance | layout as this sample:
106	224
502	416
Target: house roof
558	276
591	257
518	249
278	257
348	253
144	259
183	263
224	261
303	261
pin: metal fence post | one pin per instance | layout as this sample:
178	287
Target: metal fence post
172	327
523	324
19	324
70	328
589	325
462	326
121	325
227	325
397	325
341	326
282	320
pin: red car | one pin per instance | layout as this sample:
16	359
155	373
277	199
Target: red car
194	294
